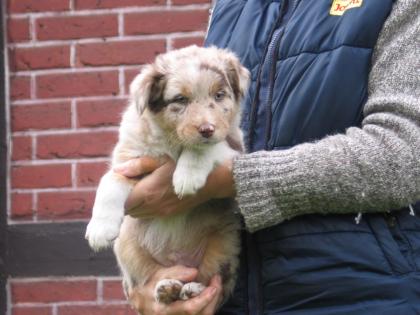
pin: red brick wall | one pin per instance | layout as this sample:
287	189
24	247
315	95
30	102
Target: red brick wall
70	63
64	296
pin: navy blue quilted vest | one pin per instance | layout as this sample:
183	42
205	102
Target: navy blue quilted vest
309	62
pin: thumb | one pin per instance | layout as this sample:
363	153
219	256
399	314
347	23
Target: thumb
137	167
216	282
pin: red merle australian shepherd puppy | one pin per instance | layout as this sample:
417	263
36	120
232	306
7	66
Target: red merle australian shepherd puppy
186	106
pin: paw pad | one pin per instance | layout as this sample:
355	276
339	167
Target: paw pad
168	290
191	290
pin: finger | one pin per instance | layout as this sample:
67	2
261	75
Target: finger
195	305
134	201
139	213
167	168
135	297
160	178
137	167
178	272
215	282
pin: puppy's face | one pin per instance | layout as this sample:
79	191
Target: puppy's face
193	94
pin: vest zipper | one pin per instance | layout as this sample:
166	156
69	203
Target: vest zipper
254	290
255	295
273	52
276	45
254	105
270	54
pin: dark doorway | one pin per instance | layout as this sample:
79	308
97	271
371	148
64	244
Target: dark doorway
3	172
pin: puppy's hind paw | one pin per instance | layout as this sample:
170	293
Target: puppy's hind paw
168	290
191	290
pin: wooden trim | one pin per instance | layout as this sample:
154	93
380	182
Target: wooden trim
55	249
3	171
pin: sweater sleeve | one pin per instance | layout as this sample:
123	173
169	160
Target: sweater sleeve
372	168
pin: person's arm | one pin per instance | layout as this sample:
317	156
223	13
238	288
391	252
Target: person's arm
372	168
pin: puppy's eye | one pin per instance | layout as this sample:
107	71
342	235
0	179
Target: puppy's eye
219	96
181	99
175	108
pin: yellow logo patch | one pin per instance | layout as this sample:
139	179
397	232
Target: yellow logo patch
339	7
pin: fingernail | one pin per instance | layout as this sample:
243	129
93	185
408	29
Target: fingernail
189	272
119	168
212	290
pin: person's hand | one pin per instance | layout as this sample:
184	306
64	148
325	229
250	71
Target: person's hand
142	299
153	196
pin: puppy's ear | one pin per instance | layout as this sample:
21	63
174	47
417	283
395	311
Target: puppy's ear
238	76
147	89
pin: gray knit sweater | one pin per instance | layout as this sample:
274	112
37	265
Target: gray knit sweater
368	169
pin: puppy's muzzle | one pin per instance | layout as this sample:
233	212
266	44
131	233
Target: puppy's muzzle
206	130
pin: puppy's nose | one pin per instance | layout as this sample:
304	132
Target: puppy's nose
206	130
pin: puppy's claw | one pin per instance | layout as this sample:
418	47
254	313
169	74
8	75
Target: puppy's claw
191	290
167	291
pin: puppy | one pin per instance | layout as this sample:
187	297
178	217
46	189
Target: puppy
186	106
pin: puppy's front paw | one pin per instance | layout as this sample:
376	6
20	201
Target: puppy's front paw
186	183
167	291
191	290
102	232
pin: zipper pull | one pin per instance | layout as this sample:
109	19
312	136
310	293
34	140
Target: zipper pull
358	218
412	213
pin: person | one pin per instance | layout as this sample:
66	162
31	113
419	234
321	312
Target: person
332	127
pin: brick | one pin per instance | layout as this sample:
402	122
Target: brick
18	30
53	291
89	174
76	145
96	310
165	22
112	290
20	87
77	84
22	207
32	310
41	176
23	6
65	205
21	148
129	75
107	4
40	58
183	2
119	53
43	116
74	27
97	113
184	42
